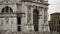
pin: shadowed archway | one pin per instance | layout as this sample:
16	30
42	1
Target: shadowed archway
35	19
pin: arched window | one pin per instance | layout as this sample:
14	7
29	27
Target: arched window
7	9
35	19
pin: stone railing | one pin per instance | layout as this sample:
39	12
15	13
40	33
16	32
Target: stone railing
37	33
31	33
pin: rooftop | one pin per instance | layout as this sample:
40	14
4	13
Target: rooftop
56	13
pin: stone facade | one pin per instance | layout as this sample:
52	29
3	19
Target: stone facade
24	10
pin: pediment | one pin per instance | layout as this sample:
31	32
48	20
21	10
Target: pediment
6	2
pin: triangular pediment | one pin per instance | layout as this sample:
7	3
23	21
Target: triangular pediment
6	2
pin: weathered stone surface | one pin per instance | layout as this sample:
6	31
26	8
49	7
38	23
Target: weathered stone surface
23	9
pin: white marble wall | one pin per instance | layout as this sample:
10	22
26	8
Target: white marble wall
11	25
24	23
41	15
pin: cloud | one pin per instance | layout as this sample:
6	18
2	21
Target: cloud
54	6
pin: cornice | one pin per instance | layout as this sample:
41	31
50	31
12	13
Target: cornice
5	2
37	2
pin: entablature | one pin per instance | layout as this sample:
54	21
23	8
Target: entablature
36	5
36	1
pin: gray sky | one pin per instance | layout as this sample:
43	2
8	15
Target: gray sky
54	6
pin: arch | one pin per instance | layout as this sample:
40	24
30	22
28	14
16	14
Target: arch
6	9
35	19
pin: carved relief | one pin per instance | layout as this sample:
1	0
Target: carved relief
6	20
45	15
1	21
28	13
19	6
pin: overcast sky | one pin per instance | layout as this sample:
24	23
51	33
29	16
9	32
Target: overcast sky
54	6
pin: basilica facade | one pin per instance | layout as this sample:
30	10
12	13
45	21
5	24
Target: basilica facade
23	15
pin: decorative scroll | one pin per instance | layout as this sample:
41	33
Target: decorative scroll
12	21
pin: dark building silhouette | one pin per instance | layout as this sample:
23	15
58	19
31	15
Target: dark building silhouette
54	23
